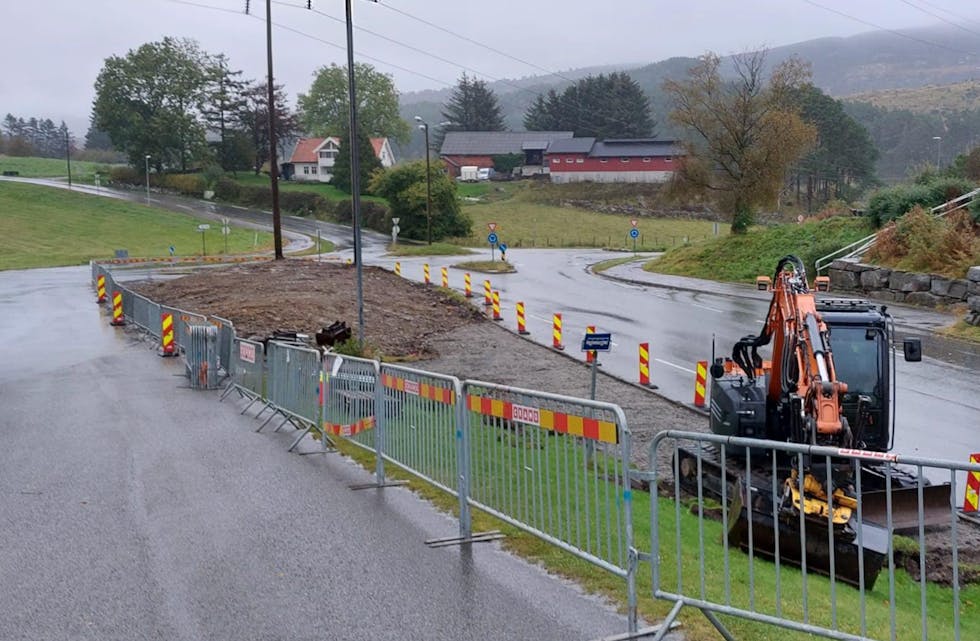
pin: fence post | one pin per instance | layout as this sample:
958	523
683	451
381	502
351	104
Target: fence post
463	461
380	419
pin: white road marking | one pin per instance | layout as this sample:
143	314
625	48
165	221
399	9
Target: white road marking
710	309
683	369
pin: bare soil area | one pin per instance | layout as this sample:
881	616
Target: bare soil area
442	333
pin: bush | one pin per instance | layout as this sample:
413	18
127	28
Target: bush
894	202
125	175
302	203
227	189
186	184
922	242
374	215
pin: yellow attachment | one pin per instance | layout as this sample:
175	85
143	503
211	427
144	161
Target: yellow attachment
814	501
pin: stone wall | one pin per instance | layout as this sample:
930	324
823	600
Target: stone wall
926	290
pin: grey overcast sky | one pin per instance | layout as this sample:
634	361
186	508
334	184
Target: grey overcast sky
52	51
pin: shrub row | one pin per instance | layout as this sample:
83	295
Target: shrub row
894	202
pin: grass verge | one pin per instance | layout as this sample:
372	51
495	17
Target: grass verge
745	256
435	249
50	227
963	331
487	266
325	190
613	262
681	532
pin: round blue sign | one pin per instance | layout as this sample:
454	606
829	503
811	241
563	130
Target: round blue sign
502	247
492	238
634	233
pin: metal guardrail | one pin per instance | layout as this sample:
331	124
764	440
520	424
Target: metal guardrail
247	371
858	247
293	386
703	573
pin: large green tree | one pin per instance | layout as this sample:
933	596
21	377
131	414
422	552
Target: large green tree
603	106
149	102
404	187
254	122
325	111
472	106
367	163
843	160
222	111
748	132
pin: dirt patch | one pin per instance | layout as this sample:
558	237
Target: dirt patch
445	334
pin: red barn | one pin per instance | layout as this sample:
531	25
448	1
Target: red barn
612	160
477	148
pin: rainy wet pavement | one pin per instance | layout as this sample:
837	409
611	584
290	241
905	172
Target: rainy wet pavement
133	507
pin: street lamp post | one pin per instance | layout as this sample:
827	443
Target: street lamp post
147	179
428	181
939	150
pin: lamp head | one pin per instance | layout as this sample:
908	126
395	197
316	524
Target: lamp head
418	118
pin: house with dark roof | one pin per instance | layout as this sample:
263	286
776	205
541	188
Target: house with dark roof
477	148
313	158
613	160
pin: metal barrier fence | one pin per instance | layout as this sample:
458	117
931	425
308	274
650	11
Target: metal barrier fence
557	467
202	357
226	337
293	386
350	396
144	313
846	541
247	371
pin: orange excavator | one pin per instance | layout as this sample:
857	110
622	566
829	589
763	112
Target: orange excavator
802	394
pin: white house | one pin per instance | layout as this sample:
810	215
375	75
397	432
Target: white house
313	158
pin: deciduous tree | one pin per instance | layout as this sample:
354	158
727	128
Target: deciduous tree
749	132
325	111
404	187
254	120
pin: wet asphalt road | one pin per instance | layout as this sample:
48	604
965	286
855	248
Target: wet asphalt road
134	508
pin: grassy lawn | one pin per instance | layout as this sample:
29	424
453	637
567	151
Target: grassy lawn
48	227
524	223
502	457
741	258
52	168
612	262
435	249
487	266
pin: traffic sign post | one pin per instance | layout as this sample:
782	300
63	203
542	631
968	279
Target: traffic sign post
204	247
394	230
634	234
503	251
596	342
492	239
225	230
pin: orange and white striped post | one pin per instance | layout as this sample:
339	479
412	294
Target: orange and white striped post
645	364
117	310
487	293
445	277
971	501
425	272
521	325
167	334
700	383
398	268
590	355
468	285
496	306
100	288
556	332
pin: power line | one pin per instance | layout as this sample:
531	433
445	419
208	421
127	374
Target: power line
947	11
891	31
939	17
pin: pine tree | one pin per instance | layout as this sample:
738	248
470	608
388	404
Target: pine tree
222	111
367	161
472	107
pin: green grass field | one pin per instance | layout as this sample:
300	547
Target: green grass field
741	258
82	171
49	227
325	190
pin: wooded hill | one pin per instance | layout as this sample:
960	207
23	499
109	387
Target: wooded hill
842	67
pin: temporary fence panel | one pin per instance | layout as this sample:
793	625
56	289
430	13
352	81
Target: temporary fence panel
349	398
248	367
557	467
183	321
753	555
294	381
420	424
226	337
202	357
145	313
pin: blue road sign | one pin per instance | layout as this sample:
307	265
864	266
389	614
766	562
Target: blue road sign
492	238
172	250
502	247
596	342
634	233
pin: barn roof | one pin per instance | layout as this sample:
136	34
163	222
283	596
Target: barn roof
488	143
571	146
612	148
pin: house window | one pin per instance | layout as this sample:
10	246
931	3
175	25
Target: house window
603	160
624	160
313	170
556	161
568	161
306	170
580	160
646	160
668	159
328	154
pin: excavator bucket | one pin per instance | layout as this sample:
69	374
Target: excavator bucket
757	528
907	512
